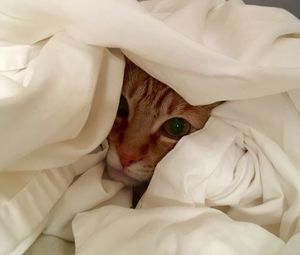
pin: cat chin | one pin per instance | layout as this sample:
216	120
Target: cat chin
120	176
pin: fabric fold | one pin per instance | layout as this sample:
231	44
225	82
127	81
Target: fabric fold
61	71
234	163
169	230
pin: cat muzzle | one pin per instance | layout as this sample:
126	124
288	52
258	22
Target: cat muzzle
121	176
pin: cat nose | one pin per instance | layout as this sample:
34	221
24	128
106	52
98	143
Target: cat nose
127	158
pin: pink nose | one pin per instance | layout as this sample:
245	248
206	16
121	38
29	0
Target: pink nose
127	157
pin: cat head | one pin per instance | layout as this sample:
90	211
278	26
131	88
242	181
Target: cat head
151	119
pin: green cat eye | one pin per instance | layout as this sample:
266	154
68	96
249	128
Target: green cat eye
123	109
175	128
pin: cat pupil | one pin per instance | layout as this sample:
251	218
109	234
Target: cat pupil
175	128
123	109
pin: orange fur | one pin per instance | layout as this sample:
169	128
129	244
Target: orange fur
136	141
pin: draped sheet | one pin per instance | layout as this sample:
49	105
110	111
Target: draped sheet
231	188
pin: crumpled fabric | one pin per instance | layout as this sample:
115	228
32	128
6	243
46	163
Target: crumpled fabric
60	81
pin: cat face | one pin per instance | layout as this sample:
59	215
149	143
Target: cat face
151	119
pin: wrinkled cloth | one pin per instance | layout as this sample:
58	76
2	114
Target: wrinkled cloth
235	183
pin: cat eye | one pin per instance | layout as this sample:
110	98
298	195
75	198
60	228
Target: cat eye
175	128
123	109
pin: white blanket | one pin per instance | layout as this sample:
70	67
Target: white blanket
231	188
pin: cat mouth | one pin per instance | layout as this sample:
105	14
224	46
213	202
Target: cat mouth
121	176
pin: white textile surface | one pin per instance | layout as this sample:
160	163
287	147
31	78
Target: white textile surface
231	188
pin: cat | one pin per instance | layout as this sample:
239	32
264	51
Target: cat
151	119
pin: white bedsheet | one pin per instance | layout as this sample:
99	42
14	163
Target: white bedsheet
231	188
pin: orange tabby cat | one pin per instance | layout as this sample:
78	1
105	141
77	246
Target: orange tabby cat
151	119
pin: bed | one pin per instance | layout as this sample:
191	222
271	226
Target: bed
230	188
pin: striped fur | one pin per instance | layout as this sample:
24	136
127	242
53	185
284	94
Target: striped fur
137	140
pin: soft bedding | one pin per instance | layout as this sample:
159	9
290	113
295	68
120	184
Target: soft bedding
230	188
